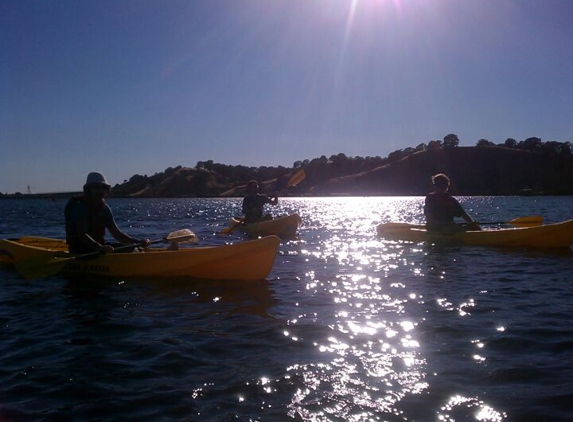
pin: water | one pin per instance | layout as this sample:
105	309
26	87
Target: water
347	327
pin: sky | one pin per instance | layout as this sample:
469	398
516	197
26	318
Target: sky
130	87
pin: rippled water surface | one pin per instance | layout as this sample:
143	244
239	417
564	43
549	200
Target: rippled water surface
347	327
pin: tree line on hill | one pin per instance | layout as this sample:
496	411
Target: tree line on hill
530	166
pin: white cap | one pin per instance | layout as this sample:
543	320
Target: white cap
96	178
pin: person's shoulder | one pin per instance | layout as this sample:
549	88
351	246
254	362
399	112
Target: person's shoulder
74	202
74	207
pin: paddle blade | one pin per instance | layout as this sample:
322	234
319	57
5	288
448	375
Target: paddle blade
180	236
296	178
42	266
228	230
532	220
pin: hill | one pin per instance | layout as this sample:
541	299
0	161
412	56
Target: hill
479	170
473	170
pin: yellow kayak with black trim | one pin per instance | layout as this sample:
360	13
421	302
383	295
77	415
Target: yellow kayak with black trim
555	235
242	261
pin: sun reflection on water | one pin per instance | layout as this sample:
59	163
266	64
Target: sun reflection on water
460	405
369	354
371	357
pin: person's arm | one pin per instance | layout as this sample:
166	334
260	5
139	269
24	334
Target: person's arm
121	236
83	236
463	214
472	223
249	211
428	211
244	208
125	238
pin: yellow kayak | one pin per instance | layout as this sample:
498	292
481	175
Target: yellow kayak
282	226
35	257
556	235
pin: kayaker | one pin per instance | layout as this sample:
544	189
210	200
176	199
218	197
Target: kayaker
254	202
440	207
88	216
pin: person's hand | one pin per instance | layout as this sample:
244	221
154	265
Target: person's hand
474	226
145	243
106	249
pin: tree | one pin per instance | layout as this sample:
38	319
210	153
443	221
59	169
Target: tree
432	145
510	143
532	144
451	141
395	155
551	147
339	160
484	143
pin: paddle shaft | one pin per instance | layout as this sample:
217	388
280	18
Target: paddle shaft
534	220
177	239
52	265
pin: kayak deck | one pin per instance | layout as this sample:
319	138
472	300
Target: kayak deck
284	227
555	235
244	261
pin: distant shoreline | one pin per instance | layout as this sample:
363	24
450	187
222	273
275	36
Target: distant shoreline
54	195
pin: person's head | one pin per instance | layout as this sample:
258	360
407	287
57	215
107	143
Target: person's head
96	185
441	182
253	187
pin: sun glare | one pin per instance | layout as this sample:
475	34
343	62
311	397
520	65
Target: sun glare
366	6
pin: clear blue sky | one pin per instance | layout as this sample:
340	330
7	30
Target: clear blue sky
133	87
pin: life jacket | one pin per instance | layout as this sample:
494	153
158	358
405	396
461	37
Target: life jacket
70	205
72	202
253	207
443	208
95	221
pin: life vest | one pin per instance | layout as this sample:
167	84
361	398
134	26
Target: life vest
72	202
443	208
96	221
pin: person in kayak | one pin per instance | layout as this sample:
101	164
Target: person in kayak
254	202
88	216
440	207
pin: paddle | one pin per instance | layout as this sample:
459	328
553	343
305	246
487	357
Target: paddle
294	180
528	221
47	265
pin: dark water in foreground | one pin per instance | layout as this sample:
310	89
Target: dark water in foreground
347	327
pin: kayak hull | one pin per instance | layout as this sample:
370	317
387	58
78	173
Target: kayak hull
282	226
244	261
556	235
